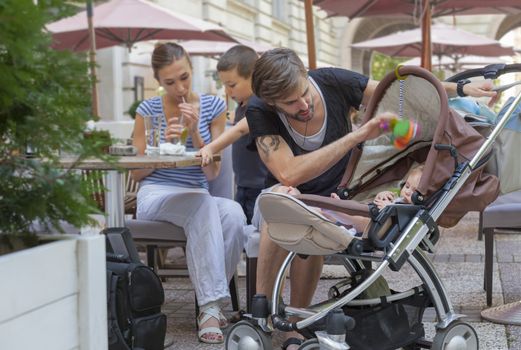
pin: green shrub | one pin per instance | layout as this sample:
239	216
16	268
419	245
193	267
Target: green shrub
133	107
44	104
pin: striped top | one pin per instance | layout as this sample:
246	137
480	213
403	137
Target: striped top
191	177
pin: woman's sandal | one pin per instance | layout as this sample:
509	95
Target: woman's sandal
211	312
291	341
223	321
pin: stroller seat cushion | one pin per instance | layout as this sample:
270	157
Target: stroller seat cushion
299	228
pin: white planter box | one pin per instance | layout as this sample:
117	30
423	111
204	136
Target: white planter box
54	296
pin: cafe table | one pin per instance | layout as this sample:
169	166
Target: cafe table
115	178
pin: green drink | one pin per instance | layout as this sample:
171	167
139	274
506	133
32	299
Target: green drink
183	136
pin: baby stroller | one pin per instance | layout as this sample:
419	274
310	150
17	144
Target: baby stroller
453	182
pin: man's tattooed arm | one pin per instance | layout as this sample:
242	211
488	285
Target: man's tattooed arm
267	144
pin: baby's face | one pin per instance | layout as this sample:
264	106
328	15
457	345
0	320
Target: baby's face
411	184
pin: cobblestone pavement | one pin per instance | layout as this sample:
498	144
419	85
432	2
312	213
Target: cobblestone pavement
459	260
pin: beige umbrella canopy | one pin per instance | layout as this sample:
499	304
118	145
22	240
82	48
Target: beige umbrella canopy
362	8
217	48
457	63
445	40
125	22
422	9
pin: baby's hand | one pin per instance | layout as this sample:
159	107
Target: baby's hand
383	199
334	196
206	155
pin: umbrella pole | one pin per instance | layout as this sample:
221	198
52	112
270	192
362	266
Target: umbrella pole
310	34
92	60
426	57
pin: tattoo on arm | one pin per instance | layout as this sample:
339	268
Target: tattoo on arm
268	143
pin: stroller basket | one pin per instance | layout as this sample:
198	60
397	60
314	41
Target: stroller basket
389	325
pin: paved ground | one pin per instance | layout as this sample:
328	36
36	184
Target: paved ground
458	260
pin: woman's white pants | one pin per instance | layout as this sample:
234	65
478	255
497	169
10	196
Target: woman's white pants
214	233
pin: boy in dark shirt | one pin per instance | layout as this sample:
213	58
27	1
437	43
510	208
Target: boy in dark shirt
235	68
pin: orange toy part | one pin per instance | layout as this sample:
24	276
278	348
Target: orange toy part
402	131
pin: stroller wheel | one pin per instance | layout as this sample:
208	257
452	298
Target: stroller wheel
245	336
457	336
310	344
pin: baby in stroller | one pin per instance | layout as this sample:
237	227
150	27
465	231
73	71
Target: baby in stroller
409	186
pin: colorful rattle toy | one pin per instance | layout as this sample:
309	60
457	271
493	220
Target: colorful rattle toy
402	131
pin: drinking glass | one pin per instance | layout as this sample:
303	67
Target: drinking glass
181	139
153	133
184	132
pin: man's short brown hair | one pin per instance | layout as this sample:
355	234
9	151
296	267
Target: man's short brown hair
277	74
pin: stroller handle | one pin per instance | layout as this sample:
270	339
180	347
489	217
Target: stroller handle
492	71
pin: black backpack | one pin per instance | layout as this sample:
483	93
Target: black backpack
134	297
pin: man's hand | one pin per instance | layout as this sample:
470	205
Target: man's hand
372	129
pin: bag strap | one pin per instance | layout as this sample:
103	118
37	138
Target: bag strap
116	338
119	241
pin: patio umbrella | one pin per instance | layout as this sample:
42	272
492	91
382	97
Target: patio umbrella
455	63
446	41
423	9
217	48
125	22
361	8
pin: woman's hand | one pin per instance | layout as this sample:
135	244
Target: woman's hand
206	155
383	199
190	114
173	130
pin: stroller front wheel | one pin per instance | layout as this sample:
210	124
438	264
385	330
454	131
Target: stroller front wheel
310	344
246	336
457	336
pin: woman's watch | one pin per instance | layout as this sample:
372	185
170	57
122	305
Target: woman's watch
459	87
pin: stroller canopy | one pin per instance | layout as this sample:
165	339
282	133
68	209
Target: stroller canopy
414	93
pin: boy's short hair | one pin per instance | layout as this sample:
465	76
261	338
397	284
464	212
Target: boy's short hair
277	74
240	57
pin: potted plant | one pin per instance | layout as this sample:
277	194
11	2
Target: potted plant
133	107
53	295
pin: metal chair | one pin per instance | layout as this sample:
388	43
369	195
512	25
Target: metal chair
502	214
94	180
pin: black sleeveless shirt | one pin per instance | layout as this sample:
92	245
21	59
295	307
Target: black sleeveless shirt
342	90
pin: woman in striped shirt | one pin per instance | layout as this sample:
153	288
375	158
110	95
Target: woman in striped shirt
213	226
